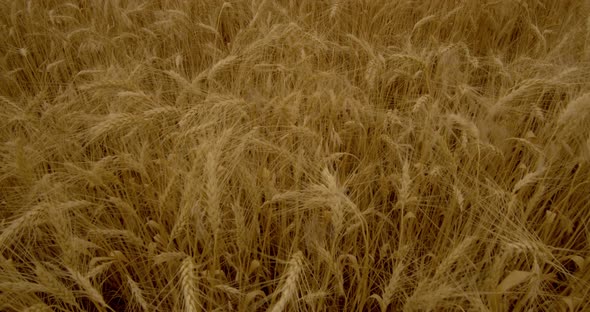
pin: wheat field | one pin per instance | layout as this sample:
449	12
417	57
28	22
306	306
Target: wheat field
294	155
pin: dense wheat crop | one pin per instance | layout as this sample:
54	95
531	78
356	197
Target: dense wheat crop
294	155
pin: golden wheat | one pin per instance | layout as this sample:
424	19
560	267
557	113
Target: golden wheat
398	155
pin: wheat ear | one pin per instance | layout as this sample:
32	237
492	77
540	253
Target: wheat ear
289	288
188	281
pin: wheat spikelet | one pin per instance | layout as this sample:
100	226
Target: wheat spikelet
185	216
315	296
163	112
241	234
459	197
538	34
133	94
423	22
334	8
428	295
392	286
190	204
421	103
405	57
229	290
212	192
188	283
53	65
167	257
457	252
405	184
207	28
112	123
178	14
28	219
6	101
39	307
289	288
52	283
149	32
528	179
87	287
521	92
580	107
373	68
97	270
21	287
366	46
335	198
465	124
221	65
125	235
137	294
183	82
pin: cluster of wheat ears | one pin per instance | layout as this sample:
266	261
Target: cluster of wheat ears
294	155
